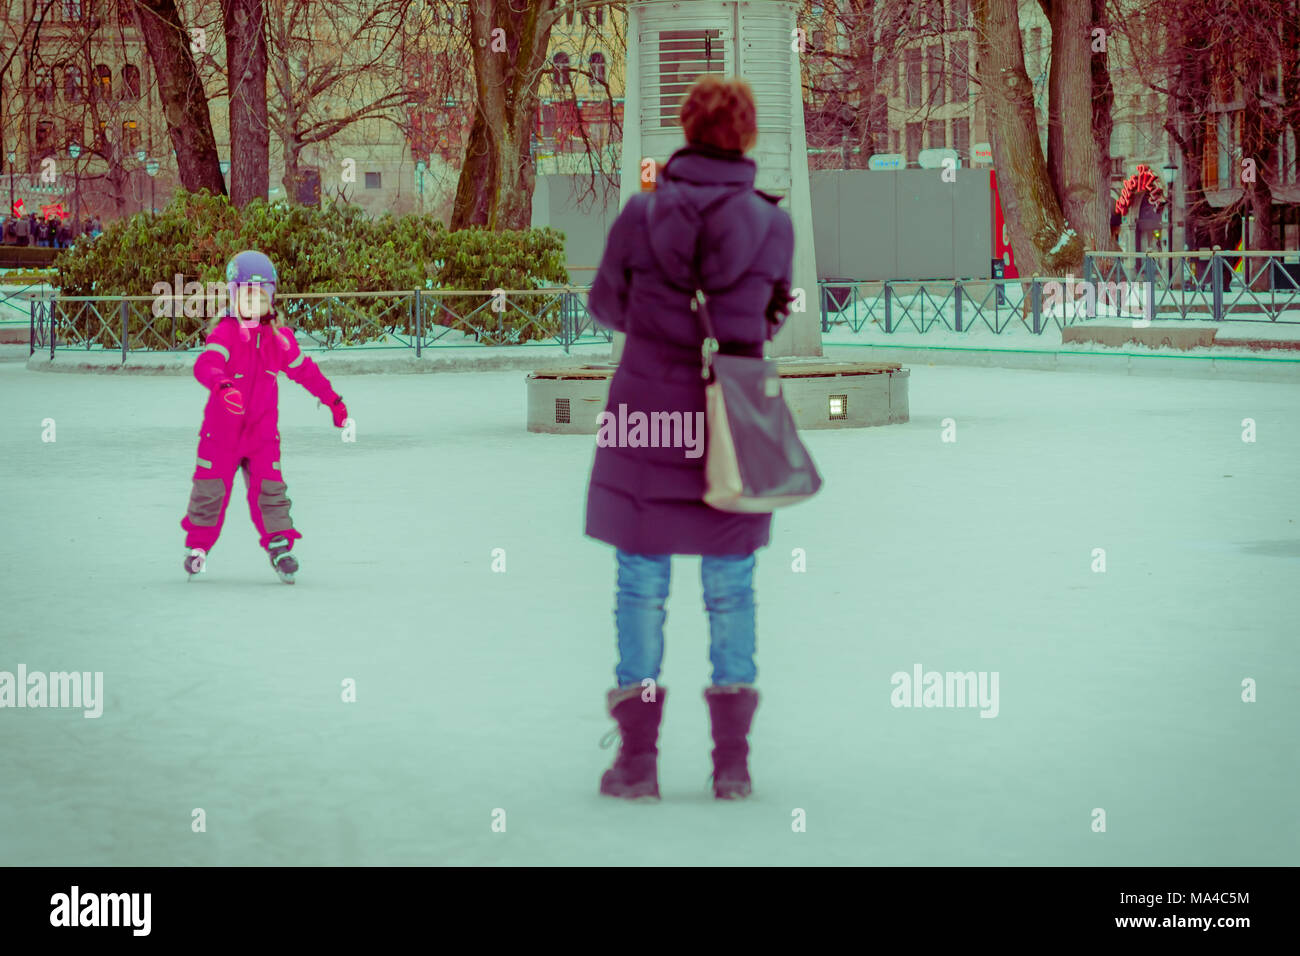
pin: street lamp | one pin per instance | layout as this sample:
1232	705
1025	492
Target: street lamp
419	179
151	168
1171	174
74	150
140	156
11	157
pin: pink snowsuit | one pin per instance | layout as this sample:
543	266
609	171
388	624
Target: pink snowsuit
250	441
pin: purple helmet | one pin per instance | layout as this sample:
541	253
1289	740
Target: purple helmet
250	267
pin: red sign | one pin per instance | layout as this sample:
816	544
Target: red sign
17	209
55	210
1001	244
1144	180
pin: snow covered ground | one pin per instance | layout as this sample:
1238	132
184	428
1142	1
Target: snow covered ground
479	691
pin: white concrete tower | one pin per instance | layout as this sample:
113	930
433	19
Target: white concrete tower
670	44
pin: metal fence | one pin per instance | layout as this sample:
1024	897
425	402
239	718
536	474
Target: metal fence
1216	286
1212	285
410	319
1243	286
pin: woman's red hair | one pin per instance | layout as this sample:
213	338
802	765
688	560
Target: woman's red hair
720	113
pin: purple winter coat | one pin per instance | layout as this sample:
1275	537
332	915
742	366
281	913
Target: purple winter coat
649	500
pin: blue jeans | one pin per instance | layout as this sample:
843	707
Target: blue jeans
639	615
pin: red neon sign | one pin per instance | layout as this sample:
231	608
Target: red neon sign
1144	180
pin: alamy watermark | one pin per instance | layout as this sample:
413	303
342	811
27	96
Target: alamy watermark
76	908
950	689
193	299
1075	300
656	430
53	689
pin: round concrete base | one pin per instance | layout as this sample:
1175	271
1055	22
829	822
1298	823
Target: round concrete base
820	393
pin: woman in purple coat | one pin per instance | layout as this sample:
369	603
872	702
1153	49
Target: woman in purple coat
647	487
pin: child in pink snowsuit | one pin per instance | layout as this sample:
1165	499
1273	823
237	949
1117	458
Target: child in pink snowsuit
245	352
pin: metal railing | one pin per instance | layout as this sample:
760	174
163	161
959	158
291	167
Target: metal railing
405	319
1210	285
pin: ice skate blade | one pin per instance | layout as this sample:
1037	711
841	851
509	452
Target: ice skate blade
641	798
286	578
632	796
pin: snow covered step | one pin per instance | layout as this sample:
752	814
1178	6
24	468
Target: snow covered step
1119	335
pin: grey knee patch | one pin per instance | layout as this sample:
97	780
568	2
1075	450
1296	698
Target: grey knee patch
206	497
274	503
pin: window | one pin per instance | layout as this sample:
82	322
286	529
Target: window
131	82
44	86
912	60
71	9
934	71
961	140
685	56
103	88
961	72
568	17
72	84
913	141
130	137
936	134
101	137
44	134
561	61
893	141
959	14
598	67
933	13
373	181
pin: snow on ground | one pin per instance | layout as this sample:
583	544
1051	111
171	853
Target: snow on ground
479	691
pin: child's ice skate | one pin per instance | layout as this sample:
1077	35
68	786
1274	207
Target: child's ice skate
285	564
195	560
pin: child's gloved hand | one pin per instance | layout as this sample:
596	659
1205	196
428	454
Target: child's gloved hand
340	411
230	396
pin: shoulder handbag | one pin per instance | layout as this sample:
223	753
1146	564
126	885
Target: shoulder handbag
755	461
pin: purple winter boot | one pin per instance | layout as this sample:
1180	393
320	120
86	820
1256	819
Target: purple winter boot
635	773
731	710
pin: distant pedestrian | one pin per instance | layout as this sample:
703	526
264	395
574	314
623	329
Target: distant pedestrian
21	230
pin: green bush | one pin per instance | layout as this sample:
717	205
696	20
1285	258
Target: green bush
337	249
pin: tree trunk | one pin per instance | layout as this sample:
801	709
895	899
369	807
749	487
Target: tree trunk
1074	158
1042	242
1103	123
250	136
292	157
495	189
184	102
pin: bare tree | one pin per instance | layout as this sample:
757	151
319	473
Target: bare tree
1219	57
184	100
337	64
250	134
1043	242
1079	122
508	44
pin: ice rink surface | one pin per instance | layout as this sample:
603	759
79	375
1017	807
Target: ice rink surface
479	692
